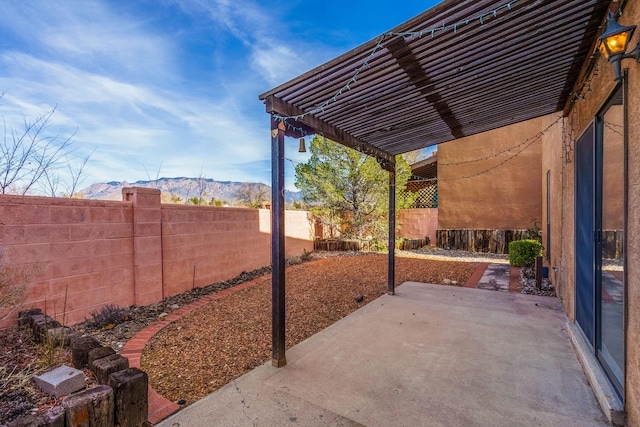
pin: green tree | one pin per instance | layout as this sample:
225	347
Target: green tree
348	190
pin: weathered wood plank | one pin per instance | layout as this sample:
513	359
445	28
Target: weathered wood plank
478	240
275	105
90	408
130	388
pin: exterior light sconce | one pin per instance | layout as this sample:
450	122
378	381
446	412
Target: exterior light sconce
302	148
614	42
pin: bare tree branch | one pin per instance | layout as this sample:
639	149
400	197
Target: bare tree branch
30	157
252	194
157	183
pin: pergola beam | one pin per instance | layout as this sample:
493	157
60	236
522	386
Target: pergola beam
277	106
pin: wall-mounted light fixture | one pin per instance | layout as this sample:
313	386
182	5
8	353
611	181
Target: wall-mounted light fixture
301	147
614	42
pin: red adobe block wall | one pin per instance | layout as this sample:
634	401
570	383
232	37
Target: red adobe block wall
77	253
203	245
418	224
83	254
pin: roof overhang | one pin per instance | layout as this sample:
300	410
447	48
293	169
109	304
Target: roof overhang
426	168
461	68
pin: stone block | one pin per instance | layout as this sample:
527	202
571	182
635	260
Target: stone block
106	366
90	408
80	348
98	353
130	389
61	381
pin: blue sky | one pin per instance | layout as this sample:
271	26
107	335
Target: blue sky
172	82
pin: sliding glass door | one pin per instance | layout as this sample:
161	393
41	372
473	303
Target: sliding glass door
600	190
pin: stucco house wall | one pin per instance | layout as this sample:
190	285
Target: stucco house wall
492	180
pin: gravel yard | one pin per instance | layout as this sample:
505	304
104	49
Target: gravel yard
219	342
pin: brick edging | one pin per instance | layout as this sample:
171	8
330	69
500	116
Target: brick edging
159	406
473	280
514	279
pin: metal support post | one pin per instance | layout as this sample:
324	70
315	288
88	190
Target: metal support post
277	244
392	233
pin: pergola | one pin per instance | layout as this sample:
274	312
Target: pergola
461	68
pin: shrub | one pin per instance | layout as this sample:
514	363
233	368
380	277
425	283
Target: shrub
523	253
109	315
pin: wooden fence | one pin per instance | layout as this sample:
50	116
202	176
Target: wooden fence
364	245
477	240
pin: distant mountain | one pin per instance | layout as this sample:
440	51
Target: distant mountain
182	186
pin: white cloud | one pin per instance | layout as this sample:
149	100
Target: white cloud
115	81
277	62
86	33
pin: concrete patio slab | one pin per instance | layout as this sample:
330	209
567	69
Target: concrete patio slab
429	356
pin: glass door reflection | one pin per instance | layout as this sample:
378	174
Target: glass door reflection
611	277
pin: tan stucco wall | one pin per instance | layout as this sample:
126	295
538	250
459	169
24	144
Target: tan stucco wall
500	191
563	199
552	152
632	15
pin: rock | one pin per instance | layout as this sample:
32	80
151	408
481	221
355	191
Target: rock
446	281
359	298
61	381
174	306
